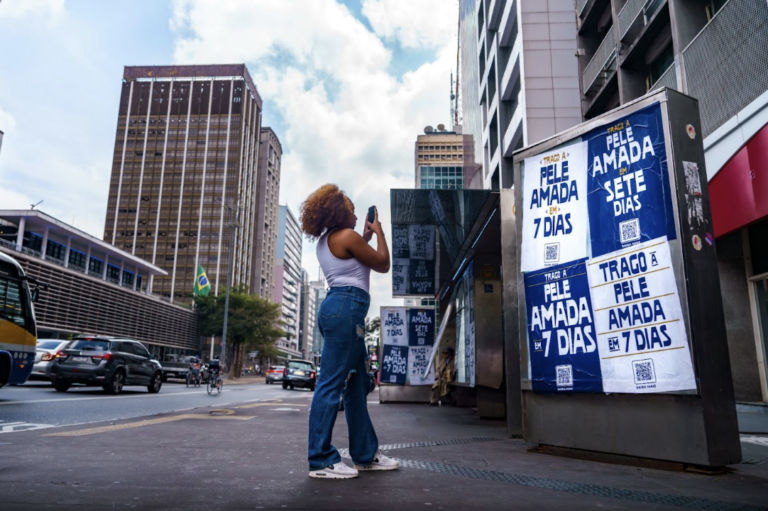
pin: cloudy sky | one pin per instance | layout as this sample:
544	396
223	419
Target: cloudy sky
347	85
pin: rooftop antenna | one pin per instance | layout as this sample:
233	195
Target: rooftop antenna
35	205
453	102
457	117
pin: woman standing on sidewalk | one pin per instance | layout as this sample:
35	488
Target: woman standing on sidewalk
346	260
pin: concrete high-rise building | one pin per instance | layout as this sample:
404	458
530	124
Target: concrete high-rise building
308	315
439	159
288	279
320	290
519	80
186	153
715	51
1	140
268	191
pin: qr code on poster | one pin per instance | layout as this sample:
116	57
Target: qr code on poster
629	230
644	372
564	376
552	253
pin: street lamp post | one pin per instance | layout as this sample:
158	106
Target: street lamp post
230	264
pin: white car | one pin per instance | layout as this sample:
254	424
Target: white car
45	356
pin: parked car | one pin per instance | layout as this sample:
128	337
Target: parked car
176	366
275	374
300	373
45	357
107	361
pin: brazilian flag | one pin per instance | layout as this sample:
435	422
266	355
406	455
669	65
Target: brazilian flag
202	286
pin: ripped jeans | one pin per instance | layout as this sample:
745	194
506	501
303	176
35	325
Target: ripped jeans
341	320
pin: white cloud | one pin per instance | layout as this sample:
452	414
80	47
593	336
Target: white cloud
346	119
18	9
416	24
7	121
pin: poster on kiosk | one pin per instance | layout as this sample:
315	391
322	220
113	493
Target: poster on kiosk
407	335
602	305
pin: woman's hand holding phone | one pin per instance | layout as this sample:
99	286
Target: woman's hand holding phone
372	227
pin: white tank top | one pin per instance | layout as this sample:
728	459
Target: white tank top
341	272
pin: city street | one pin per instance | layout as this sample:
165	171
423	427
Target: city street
246	449
37	405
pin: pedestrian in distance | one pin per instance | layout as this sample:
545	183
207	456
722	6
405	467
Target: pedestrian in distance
346	259
443	376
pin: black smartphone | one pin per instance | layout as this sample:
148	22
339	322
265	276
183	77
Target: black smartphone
371	214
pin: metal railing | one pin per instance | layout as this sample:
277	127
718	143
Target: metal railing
76	267
628	15
55	260
668	79
95	274
726	64
33	253
603	57
8	244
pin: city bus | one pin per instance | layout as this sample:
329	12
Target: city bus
18	330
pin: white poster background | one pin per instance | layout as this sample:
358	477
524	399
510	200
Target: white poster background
640	279
421	242
394	327
399	277
418	361
539	251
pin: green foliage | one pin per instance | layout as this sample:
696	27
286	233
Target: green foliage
252	321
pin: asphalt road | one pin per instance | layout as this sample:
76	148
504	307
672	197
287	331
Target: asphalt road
37	405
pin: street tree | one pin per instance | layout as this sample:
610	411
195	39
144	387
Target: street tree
252	325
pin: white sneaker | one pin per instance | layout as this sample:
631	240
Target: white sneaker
336	471
380	462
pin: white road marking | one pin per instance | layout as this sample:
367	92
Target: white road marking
59	400
10	427
757	440
123	396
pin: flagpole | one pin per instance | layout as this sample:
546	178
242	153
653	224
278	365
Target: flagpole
230	264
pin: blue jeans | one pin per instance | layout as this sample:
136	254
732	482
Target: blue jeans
341	320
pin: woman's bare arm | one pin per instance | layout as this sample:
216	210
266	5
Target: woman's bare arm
347	242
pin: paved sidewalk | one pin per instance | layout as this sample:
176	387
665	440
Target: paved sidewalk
253	456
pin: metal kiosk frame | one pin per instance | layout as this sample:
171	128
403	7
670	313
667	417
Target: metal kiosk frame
691	427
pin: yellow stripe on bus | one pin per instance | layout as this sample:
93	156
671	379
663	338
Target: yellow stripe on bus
11	333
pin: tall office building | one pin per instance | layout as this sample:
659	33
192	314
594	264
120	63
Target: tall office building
439	165
320	289
185	160
288	279
714	51
1	140
519	80
439	159
308	315
265	243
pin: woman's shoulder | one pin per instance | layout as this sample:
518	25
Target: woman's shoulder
340	234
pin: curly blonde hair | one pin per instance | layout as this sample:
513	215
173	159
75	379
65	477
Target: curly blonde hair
326	208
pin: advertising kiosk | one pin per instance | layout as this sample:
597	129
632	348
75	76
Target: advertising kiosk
614	331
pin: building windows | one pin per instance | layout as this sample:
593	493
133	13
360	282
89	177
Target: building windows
113	273
76	258
96	266
55	250
661	63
